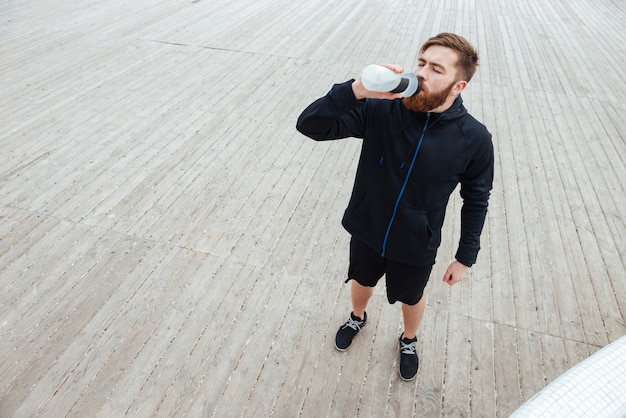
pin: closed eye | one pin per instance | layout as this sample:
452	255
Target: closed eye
437	68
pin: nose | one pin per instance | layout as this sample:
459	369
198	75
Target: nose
419	71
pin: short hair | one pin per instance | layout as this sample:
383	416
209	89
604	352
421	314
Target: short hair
466	53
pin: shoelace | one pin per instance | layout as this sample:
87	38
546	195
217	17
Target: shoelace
408	348
355	325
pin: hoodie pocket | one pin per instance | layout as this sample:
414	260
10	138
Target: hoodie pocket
410	235
370	217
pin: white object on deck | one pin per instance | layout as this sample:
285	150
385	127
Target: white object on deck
595	387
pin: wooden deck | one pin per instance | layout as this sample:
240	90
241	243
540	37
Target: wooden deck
171	246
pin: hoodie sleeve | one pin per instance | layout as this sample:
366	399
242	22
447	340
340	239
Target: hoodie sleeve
476	184
337	115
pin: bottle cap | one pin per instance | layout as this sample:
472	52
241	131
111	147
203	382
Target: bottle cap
409	85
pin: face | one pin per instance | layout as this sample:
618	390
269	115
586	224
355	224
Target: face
436	68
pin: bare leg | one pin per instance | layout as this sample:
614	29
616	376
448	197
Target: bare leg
360	297
412	315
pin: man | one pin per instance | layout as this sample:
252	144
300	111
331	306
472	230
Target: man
415	151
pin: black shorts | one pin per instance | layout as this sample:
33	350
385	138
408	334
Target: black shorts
405	283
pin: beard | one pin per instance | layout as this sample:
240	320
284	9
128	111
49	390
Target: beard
425	101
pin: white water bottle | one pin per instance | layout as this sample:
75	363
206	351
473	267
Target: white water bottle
382	79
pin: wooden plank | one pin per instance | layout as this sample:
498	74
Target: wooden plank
208	313
585	297
23	234
532	373
295	386
479	279
548	315
328	371
153	378
593	227
430	390
483	393
351	367
277	332
27	317
554	360
35	271
334	311
502	278
286	394
145	318
457	385
111	336
36	353
10	217
507	370
382	392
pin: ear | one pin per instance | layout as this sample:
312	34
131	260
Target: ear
458	87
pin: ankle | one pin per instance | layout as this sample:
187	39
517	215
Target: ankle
360	314
407	336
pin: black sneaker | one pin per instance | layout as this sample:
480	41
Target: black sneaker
409	361
348	331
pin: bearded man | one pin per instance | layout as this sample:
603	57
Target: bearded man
415	151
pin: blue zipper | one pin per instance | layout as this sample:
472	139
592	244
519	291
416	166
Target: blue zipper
406	181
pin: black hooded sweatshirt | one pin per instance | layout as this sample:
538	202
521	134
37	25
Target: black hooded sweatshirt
410	163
